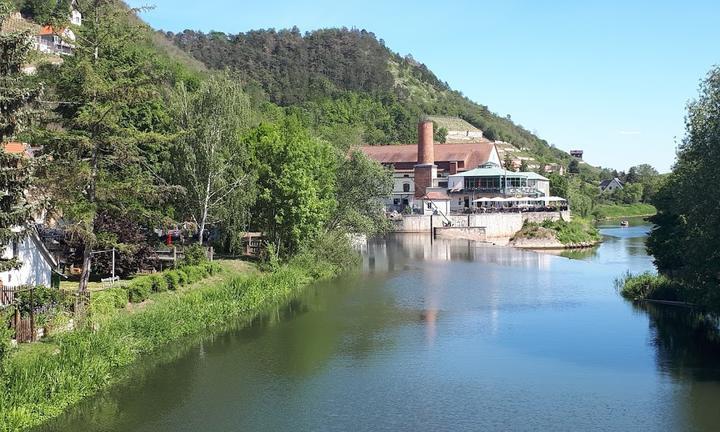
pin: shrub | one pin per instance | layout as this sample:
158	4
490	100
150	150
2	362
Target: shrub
113	298
193	255
139	289
159	283
647	286
173	280
182	277
41	296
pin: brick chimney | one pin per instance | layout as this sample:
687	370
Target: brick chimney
426	147
425	170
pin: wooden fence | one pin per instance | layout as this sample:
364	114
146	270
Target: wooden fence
24	326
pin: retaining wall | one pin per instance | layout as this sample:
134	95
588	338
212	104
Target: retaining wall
465	233
497	225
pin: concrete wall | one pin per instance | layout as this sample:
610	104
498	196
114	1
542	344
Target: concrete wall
465	233
497	225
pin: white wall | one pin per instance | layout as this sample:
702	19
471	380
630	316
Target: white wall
35	269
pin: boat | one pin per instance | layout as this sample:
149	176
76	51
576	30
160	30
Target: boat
624	224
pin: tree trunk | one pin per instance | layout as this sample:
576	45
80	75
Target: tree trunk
206	205
86	264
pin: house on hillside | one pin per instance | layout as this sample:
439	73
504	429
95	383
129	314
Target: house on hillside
55	41
611	185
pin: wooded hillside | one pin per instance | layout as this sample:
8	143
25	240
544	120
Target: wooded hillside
349	78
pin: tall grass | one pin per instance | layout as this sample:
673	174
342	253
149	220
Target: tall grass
648	286
40	384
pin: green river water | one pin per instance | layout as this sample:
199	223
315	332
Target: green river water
434	336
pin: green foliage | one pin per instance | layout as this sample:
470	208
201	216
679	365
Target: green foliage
139	289
648	286
193	255
41	296
85	361
615	211
572	233
173	280
362	185
296	183
577	231
46	11
574	167
685	240
17	98
159	283
341	80
210	162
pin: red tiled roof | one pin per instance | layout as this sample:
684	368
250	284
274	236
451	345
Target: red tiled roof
437	196
46	30
472	154
15	148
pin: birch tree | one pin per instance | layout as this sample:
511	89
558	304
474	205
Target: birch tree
209	160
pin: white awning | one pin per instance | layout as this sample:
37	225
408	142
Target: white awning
554	199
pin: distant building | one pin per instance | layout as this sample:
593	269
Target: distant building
75	15
421	170
611	185
577	154
52	41
554	168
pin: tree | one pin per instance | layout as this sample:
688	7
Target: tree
574	167
684	242
103	151
440	134
648	177
362	184
524	166
508	162
210	161
295	181
45	11
16	100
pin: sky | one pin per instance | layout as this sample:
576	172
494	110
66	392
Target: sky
612	78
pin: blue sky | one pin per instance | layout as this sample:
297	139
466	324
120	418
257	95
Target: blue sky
611	77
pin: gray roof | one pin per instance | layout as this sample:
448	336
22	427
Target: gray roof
490	170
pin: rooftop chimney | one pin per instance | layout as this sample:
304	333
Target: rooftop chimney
426	150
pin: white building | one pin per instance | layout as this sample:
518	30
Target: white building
37	262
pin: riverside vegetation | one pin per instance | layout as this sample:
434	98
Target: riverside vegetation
563	234
684	242
42	380
134	138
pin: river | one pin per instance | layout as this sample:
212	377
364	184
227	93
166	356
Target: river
445	335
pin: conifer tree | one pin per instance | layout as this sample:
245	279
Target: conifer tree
16	99
100	152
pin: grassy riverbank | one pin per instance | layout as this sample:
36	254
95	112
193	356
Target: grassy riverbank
648	286
549	234
616	211
41	380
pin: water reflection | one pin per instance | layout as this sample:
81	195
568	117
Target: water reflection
448	335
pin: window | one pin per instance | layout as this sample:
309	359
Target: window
443	184
406	187
15	249
396	201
